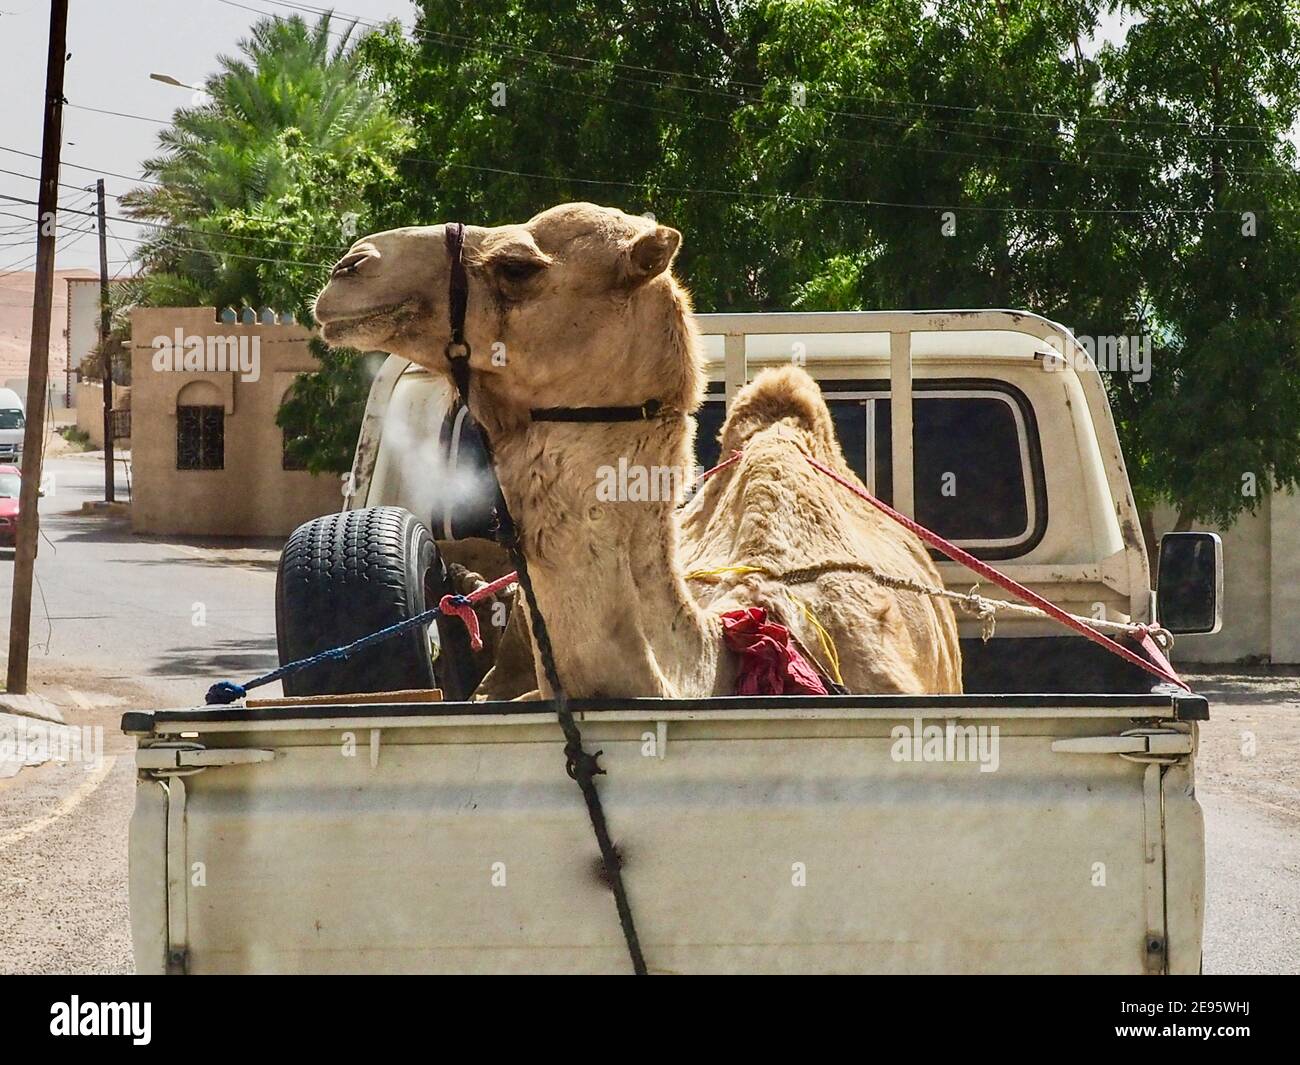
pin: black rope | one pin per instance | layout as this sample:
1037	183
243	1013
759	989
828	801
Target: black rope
579	764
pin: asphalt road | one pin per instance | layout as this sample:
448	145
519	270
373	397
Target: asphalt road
143	618
117	630
1248	782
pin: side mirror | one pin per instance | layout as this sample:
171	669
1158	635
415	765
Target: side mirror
1189	583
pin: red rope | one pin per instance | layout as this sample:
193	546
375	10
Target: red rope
735	457
462	606
1159	666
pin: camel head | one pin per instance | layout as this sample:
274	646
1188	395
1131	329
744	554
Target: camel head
575	307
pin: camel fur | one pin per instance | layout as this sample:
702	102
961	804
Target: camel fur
578	307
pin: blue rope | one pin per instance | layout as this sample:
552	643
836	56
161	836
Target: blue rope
226	691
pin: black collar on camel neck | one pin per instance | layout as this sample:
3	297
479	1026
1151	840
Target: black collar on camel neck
651	408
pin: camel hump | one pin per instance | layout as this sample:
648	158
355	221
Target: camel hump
784	394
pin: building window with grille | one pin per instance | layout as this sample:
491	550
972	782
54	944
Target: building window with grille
200	438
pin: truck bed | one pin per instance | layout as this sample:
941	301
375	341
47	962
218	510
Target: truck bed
781	834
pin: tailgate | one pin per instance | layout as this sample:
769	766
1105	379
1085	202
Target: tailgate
778	835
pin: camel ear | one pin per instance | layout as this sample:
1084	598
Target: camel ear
649	255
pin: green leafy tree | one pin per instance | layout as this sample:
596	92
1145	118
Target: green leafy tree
1212	267
833	154
517	105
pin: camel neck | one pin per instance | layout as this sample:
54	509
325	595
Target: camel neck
595	506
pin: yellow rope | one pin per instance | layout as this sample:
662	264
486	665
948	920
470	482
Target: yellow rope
828	644
824	638
715	575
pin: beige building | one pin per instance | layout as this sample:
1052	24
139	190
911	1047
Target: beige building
1261	585
90	410
207	456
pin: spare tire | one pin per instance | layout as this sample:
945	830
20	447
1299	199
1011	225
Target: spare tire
344	576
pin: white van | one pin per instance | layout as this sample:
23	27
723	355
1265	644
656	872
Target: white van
12	425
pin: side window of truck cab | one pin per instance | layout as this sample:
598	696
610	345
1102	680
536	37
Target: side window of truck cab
978	470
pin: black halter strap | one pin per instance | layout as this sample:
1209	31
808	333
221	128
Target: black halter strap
579	764
458	350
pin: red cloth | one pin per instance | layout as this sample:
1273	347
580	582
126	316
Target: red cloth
770	663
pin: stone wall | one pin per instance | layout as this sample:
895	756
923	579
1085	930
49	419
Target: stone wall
1261	603
90	410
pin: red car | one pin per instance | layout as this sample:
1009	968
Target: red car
10	484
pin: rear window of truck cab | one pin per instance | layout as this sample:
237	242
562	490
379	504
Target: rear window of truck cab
978	472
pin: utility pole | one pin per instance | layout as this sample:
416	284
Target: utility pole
38	368
105	360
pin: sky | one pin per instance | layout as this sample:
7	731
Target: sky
115	45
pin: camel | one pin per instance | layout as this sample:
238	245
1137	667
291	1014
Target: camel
578	307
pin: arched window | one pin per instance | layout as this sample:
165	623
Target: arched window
200	427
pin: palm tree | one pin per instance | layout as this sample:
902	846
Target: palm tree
293	99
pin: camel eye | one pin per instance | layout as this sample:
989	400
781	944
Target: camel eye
349	263
517	271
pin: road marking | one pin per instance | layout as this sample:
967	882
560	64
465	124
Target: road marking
66	805
1267	805
79	699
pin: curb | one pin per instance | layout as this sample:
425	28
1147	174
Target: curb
100	508
36	706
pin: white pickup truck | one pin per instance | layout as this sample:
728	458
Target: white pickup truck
1045	821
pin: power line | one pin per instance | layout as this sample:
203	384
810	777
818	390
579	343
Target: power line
119	114
733	193
21	265
167	227
474	43
832	200
180	247
33	177
88	169
903	148
220	253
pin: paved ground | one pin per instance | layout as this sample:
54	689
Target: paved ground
114	620
120	634
1248	782
120	611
